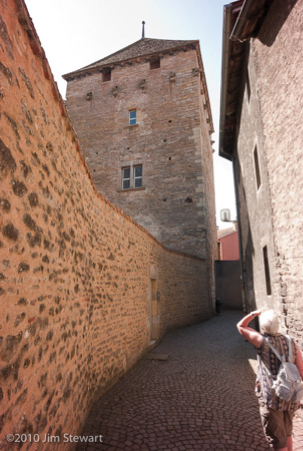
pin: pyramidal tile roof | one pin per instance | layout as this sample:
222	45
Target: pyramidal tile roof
145	46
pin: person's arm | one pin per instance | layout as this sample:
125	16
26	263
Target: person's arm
299	361
248	333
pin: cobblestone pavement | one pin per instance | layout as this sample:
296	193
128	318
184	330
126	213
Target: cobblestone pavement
201	398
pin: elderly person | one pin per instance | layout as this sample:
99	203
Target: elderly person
276	414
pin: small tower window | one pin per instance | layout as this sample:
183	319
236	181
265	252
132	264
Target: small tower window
155	63
248	85
132	117
138	176
266	270
126	178
257	168
107	72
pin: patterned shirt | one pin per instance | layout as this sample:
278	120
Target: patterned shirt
264	382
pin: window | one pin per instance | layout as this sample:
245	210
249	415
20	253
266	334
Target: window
132	117
266	270
126	178
107	74
248	85
257	168
132	177
138	176
155	64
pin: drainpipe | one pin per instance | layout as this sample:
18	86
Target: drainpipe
224	76
227	16
241	20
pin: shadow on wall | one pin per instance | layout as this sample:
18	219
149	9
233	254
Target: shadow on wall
228	284
274	22
247	247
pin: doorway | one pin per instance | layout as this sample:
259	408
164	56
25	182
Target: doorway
153	310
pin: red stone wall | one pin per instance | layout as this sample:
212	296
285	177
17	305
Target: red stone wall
74	270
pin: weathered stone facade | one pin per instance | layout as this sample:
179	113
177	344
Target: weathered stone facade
263	136
83	287
171	138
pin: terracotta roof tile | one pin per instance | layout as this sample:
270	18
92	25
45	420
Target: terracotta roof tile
225	232
142	47
145	47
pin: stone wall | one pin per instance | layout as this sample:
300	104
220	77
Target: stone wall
278	51
254	202
83	287
272	120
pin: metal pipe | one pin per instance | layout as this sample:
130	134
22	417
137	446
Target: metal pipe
143	31
227	10
241	20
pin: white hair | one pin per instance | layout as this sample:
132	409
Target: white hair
269	322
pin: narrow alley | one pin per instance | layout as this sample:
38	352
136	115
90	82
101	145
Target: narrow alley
200	398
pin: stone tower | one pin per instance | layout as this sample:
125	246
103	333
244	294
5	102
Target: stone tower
143	119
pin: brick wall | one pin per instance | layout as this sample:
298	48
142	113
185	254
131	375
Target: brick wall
171	140
254	200
280	60
208	213
75	272
272	121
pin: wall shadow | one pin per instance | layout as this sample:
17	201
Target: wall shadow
274	21
228	284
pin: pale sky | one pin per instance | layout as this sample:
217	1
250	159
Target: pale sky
75	33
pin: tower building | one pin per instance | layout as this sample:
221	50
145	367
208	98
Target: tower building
143	118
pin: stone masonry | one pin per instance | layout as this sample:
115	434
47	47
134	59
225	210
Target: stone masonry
263	121
83	287
280	46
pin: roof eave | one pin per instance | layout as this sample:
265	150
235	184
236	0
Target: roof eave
88	70
227	234
227	13
100	65
242	20
250	19
211	124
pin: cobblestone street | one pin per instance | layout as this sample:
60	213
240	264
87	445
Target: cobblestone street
200	398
